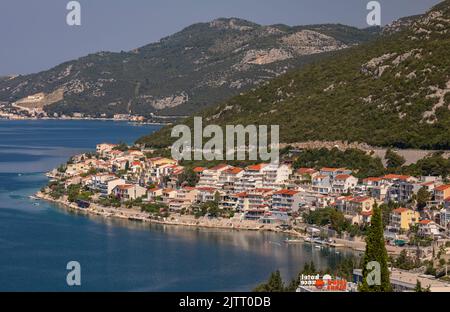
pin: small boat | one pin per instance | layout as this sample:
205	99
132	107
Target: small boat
275	243
318	246
19	174
293	240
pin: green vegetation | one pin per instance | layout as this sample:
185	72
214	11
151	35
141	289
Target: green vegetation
342	98
153	208
76	192
362	164
188	178
334	218
406	263
394	160
386	210
344	269
190	65
422	197
376	251
123	147
110	201
434	165
274	284
57	189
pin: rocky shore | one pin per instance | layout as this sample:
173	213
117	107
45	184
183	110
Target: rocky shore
136	215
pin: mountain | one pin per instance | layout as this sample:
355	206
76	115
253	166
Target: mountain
394	91
197	67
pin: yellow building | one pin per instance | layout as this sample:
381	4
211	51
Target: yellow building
403	218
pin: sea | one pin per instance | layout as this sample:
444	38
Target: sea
39	239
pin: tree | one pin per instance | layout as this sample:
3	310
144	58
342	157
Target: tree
188	177
123	147
394	160
422	197
376	251
418	287
274	284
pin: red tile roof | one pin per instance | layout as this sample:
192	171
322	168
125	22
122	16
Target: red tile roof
442	187
255	167
218	167
234	170
396	177
285	192
306	170
342	177
360	199
425	222
328	169
206	189
372	179
199	169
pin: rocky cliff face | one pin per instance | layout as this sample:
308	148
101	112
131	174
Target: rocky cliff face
394	91
198	67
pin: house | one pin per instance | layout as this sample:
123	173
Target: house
259	198
343	183
396	177
252	178
275	176
444	214
129	191
402	218
160	161
401	190
154	193
380	192
359	204
304	175
441	193
333	172
365	217
168	194
372	182
72	181
206	194
99	182
428	228
104	148
210	177
229	177
286	200
228	202
321	184
199	170
77	168
184	198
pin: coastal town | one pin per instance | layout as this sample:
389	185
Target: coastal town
326	207
31	108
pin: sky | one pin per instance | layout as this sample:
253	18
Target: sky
35	36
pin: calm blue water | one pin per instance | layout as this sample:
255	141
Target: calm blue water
36	242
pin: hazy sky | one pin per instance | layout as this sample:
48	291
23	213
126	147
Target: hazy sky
34	34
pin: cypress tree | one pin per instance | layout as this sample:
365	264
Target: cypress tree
376	251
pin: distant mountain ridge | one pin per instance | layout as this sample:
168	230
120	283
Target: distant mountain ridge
394	91
197	67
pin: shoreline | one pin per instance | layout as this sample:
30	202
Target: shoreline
133	215
88	119
189	221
